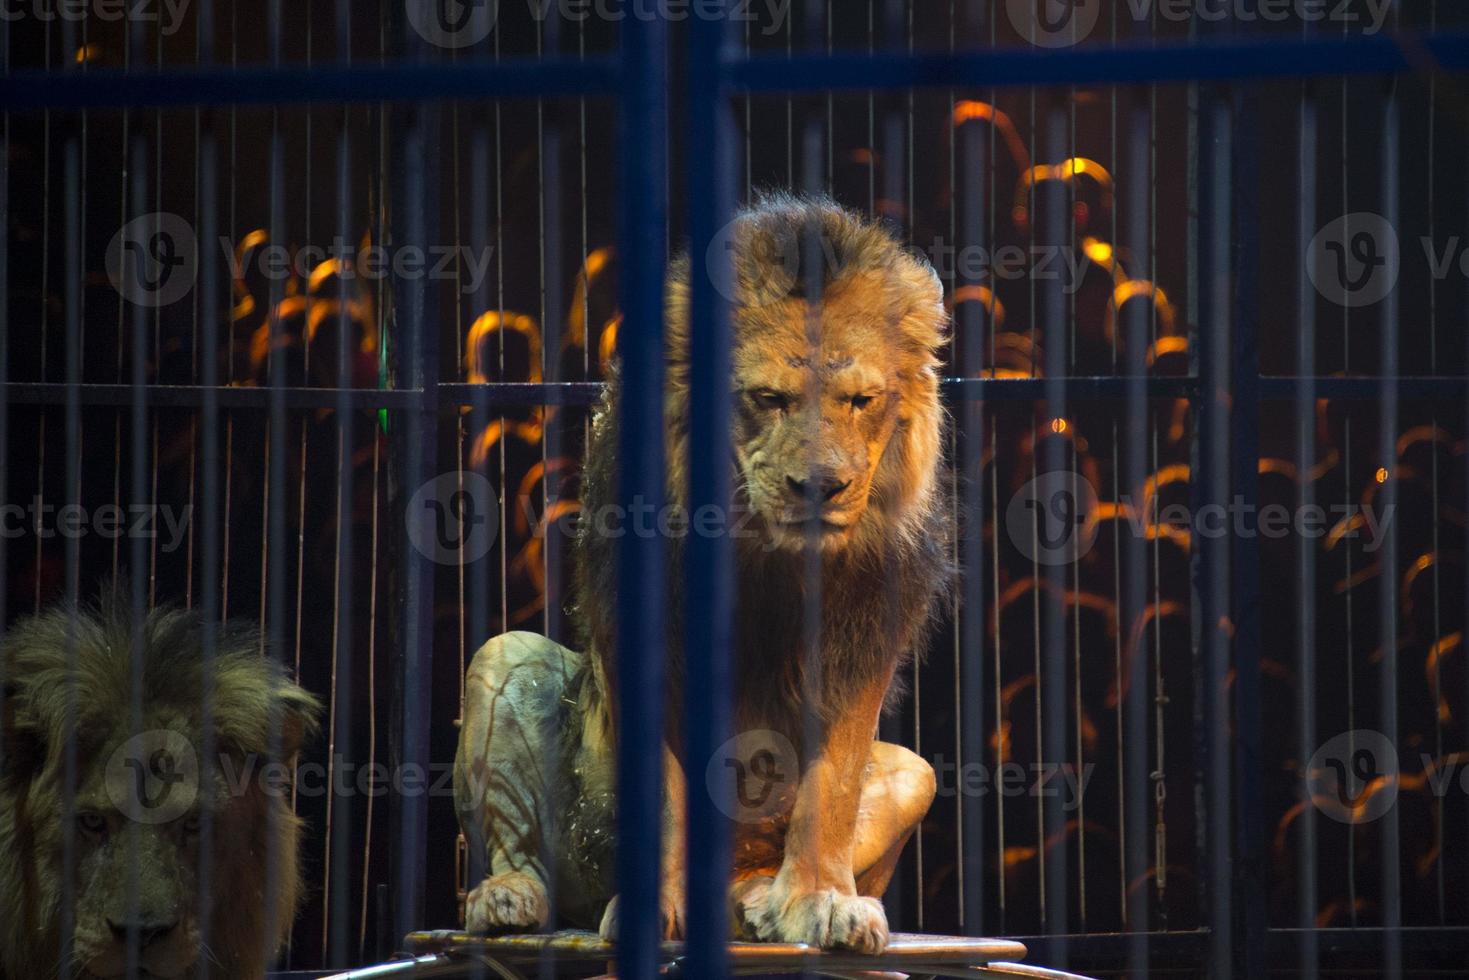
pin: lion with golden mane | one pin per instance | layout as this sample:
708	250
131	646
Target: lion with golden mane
135	829
837	433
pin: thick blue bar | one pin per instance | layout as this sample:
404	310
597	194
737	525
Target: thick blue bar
1250	875
587	392
642	244
709	606
1179	62
337	84
513	78
416	437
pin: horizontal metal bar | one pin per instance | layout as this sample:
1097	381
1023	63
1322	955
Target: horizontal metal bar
522	393
467	79
1448	387
190	396
524	77
1087	64
518	393
1418	940
1034	389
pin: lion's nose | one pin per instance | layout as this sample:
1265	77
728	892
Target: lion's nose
149	930
828	485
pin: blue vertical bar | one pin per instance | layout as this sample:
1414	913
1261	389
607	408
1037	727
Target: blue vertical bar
1137	327
1249	872
1211	487
1052	221
338	946
973	324
1305	417
642	216
1387	500
416	436
710	603
209	472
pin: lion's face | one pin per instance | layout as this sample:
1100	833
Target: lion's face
148	786
113	846
815	413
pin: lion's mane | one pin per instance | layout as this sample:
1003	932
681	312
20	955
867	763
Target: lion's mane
75	664
878	594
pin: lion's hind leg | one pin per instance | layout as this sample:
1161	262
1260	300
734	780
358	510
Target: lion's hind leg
897	790
506	773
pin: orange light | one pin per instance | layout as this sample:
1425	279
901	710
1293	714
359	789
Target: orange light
1382	474
1058	426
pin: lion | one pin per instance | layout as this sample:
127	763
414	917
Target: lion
837	433
136	833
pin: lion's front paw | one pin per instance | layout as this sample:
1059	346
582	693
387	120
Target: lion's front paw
670	919
824	918
747	899
510	902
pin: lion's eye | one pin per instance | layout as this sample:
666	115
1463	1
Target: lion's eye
766	398
860	402
93	824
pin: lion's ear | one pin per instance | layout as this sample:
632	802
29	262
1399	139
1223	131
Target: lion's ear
300	718
927	321
22	749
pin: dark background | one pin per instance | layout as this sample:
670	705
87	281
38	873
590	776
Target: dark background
548	195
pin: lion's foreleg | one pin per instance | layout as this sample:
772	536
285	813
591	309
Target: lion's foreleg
814	897
505	772
672	871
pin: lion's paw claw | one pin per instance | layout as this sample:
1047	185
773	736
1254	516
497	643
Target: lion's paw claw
826	918
510	902
670	919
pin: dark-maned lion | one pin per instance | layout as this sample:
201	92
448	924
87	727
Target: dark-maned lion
837	434
140	789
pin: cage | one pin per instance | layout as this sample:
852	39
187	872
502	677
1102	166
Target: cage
307	307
